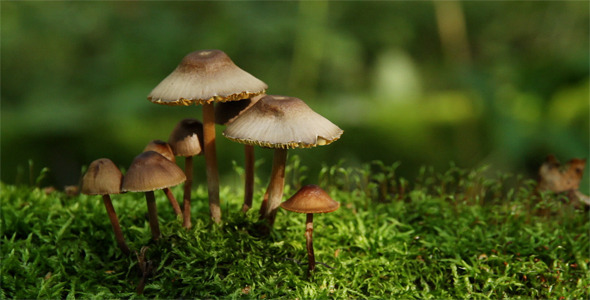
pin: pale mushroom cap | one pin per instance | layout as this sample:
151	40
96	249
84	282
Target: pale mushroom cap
186	139
151	171
226	112
161	147
103	177
206	76
282	122
311	199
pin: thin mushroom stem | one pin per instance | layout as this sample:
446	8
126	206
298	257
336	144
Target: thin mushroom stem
249	182
153	214
115	223
173	201
276	185
309	242
186	200
211	161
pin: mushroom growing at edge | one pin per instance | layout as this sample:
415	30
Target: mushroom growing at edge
164	149
310	199
225	113
204	77
148	172
280	123
104	178
186	139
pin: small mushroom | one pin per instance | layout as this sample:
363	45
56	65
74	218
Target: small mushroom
205	77
164	149
310	199
186	140
225	112
148	172
281	123
104	178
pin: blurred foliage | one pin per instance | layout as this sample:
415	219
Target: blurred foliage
496	83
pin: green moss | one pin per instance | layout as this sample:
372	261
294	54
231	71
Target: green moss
455	234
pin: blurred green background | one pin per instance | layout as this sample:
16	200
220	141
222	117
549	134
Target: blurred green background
424	83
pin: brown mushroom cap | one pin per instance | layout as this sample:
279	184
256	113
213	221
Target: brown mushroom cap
161	147
103	177
206	76
151	171
186	139
282	122
311	199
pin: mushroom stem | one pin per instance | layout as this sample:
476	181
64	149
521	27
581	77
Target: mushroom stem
186	202
108	204
173	201
152	214
249	182
309	241
211	161
276	185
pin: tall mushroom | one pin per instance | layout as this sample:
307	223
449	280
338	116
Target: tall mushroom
225	112
204	77
281	123
148	172
165	150
104	178
310	199
186	139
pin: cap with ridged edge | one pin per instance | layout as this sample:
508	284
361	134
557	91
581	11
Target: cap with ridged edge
103	177
282	122
186	139
206	76
151	171
311	199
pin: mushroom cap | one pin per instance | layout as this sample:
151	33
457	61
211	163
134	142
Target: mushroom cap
103	177
161	147
151	171
186	139
206	76
311	199
282	122
226	112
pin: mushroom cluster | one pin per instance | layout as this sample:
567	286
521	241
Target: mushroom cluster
280	123
203	78
229	96
153	169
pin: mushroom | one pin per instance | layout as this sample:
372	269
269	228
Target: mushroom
225	112
281	123
310	199
104	178
186	140
204	77
164	149
148	172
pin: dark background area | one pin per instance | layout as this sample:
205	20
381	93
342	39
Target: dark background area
425	83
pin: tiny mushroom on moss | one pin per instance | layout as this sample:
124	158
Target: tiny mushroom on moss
225	113
186	139
104	178
310	199
205	77
164	149
280	123
148	172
